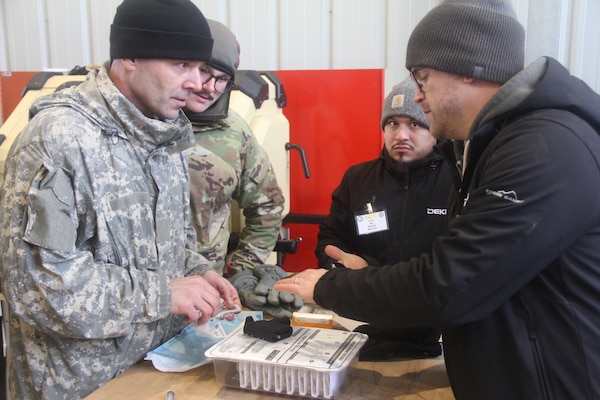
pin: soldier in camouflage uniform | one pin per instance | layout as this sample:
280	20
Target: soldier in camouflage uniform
99	262
228	164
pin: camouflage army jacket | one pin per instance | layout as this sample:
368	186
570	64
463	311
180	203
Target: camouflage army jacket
227	163
94	221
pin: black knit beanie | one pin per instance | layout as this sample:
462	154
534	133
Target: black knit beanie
480	39
173	29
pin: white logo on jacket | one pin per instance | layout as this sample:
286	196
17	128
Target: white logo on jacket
437	211
510	195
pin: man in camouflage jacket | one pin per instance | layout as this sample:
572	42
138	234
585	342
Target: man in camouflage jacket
228	164
98	258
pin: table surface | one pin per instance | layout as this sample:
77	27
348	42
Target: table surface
416	379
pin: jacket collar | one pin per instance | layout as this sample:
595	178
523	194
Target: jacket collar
512	93
104	105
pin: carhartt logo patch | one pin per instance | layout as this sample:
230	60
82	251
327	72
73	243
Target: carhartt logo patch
398	101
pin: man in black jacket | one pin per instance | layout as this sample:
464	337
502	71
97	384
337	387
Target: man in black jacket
389	210
514	281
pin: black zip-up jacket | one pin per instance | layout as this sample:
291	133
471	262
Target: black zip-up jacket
515	281
415	201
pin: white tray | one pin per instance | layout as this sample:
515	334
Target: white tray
312	362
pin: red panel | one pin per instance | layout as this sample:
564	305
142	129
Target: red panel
304	257
12	85
334	116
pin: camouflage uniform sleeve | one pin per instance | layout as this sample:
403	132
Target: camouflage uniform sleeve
62	273
262	202
195	263
61	288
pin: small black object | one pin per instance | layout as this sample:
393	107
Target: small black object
271	330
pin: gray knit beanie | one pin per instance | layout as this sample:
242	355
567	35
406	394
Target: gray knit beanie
400	103
174	29
226	49
480	39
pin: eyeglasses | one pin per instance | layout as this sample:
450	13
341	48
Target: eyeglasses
419	80
222	84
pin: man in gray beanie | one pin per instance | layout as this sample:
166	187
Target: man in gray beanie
514	280
98	257
406	189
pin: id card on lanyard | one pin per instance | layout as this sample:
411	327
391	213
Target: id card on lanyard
370	220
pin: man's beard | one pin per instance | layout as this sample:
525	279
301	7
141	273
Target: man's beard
401	168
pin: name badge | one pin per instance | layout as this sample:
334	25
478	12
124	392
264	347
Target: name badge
371	222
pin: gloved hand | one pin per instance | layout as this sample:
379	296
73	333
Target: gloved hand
267	276
257	293
245	282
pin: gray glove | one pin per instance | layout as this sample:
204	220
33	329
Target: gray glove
245	283
267	276
256	291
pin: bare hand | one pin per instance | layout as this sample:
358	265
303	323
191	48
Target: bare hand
351	261
226	290
195	297
301	284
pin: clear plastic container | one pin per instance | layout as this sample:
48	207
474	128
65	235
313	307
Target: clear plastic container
311	363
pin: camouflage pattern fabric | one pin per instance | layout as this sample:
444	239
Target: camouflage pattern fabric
227	163
94	221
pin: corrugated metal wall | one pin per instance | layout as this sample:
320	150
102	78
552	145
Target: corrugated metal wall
292	34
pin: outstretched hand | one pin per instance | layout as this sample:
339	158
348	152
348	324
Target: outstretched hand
301	284
256	290
348	260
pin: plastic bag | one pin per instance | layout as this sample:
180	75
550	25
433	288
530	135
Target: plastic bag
185	350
